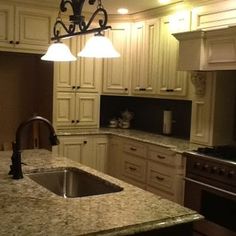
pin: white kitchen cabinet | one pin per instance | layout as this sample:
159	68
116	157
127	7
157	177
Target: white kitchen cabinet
25	29
114	160
83	75
165	172
116	71
151	167
101	153
213	110
214	15
76	110
212	50
145	50
75	148
170	82
90	150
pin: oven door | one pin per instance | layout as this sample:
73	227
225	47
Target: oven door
216	205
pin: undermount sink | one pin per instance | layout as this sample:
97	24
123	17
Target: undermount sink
72	182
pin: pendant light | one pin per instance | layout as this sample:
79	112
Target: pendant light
58	51
101	46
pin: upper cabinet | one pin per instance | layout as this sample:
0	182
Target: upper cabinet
145	50
211	45
116	71
24	28
214	15
213	108
83	75
171	81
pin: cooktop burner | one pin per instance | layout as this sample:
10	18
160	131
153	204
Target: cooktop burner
223	152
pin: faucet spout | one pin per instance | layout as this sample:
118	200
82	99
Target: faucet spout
15	168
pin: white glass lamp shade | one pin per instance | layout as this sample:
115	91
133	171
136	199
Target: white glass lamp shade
99	46
58	51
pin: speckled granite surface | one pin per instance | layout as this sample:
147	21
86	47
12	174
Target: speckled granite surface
178	145
29	209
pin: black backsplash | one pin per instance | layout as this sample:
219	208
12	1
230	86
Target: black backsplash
148	113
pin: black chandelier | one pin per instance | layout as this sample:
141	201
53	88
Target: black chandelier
77	19
97	46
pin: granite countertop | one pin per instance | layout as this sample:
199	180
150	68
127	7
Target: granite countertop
29	209
176	144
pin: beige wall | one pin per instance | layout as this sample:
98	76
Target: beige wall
25	89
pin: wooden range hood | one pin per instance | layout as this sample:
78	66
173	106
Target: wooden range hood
207	50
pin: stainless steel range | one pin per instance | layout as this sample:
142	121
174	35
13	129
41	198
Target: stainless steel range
210	189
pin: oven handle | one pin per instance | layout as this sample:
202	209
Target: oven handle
210	186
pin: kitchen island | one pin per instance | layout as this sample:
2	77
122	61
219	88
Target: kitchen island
29	209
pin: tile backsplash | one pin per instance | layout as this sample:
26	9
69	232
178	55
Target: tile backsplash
148	113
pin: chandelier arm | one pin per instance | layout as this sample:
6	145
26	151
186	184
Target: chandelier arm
90	31
63	7
102	22
56	31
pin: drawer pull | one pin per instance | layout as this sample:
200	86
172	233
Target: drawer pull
132	168
133	149
160	157
159	178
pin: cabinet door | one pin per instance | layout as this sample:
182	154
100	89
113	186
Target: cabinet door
145	57
171	81
65	109
87	109
6	25
138	58
117	70
88	71
32	28
101	153
62	72
75	148
213	15
115	157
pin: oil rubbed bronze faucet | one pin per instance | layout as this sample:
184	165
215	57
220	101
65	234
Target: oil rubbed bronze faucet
15	168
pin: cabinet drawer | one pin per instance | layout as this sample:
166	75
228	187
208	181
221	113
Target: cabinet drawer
135	148
134	167
159	176
161	155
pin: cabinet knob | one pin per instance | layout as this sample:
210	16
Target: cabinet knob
72	121
78	87
169	90
132	168
77	121
11	42
160	157
17	42
73	87
142	89
159	178
133	149
85	142
126	89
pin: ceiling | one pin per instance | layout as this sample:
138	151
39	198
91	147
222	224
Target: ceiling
134	6
111	6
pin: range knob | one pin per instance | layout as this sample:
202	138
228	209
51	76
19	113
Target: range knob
231	174
205	167
222	171
197	165
214	169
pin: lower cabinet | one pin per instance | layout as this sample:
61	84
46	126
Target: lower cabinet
150	167
90	150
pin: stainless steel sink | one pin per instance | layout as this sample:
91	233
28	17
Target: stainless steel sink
72	182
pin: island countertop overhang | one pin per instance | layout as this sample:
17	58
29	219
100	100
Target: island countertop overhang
28	208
